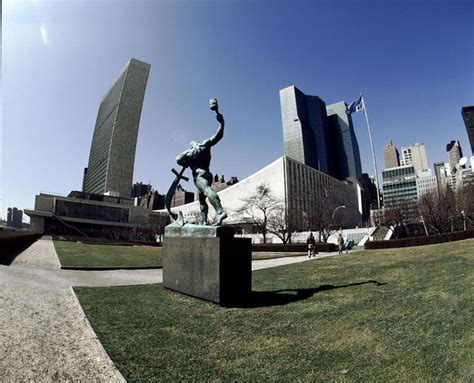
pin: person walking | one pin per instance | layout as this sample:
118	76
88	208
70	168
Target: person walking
340	242
311	245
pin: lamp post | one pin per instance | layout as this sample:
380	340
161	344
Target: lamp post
464	219
334	212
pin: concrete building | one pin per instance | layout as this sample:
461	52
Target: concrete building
441	172
304	190
345	148
181	197
415	155
140	189
95	215
400	187
426	182
454	152
112	154
467	113
306	135
219	184
390	155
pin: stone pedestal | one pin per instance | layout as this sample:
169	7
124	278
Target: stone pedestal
208	263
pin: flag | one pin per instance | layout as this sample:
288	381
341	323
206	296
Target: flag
356	106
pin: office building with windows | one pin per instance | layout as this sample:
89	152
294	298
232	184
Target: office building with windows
400	187
415	155
112	154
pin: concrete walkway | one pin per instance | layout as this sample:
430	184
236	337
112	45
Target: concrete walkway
44	335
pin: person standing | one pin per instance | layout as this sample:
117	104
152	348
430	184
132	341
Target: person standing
311	245
340	242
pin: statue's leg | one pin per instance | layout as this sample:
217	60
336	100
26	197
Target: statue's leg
204	208
203	183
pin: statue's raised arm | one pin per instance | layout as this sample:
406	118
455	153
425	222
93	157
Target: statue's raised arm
220	130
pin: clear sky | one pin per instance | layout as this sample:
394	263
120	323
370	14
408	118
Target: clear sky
412	60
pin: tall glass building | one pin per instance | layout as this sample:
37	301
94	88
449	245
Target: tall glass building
112	154
346	155
319	136
306	136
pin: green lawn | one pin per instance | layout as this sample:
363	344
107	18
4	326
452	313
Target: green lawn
399	315
74	254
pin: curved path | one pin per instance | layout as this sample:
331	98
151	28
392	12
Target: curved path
44	334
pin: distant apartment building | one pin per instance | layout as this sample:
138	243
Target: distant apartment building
454	152
390	155
426	182
219	184
319	136
467	113
15	217
415	155
112	154
181	197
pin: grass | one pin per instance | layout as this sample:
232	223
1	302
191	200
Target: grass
74	254
80	255
398	314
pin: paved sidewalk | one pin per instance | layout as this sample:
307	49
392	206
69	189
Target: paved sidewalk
43	335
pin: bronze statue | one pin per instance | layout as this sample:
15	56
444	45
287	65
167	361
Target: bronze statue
198	158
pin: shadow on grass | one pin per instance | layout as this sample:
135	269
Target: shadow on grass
284	297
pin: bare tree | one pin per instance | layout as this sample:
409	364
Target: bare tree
438	209
258	207
465	203
398	216
281	222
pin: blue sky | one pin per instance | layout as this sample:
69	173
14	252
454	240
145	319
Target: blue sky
412	60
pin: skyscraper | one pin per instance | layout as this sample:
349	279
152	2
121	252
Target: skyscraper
112	154
346	155
306	136
390	155
415	155
441	175
319	136
468	117
454	151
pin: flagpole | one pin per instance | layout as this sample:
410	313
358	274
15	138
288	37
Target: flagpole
373	155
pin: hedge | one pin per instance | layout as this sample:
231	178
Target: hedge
292	247
420	241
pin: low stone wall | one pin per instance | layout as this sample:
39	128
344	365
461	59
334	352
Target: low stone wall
420	241
12	240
